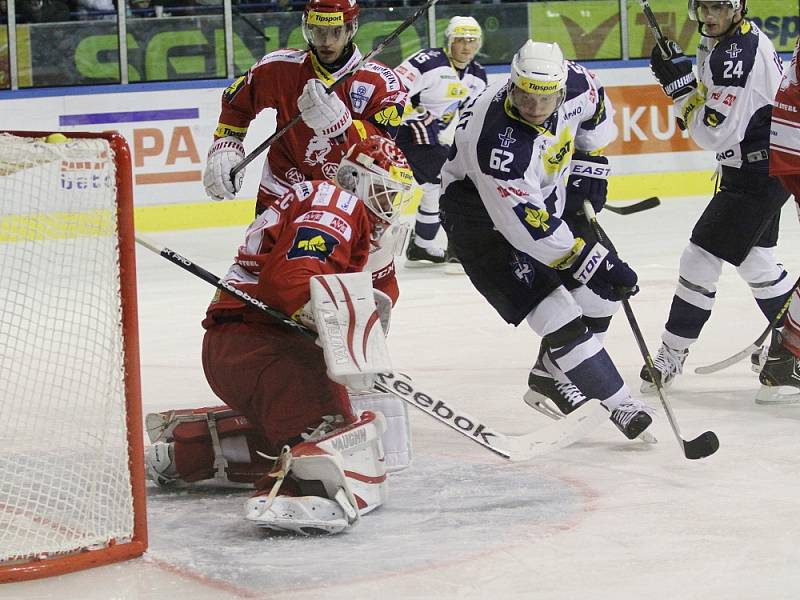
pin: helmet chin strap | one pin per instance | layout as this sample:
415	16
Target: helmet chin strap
727	32
338	63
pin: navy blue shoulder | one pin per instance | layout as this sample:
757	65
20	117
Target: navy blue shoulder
505	145
427	60
476	69
577	81
733	58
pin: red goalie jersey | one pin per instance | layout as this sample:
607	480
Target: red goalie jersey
374	95
315	229
785	138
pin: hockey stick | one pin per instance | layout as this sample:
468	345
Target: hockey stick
636	207
515	448
556	435
536	402
652	24
724	364
706	443
293	121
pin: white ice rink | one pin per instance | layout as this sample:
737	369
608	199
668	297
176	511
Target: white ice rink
605	518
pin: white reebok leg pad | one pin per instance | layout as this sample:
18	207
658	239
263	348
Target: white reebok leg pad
397	437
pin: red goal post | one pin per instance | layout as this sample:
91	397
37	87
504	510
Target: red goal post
72	491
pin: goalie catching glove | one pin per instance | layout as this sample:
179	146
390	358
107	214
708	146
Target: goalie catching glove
604	273
674	73
323	112
224	154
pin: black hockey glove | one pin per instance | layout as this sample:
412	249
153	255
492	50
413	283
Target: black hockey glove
674	73
604	273
588	180
425	131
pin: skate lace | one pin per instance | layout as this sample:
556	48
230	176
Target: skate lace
628	409
329	423
669	361
570	392
279	471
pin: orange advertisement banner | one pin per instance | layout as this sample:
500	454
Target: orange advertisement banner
646	120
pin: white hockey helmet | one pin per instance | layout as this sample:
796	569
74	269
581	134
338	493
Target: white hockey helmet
692	6
375	170
539	68
462	27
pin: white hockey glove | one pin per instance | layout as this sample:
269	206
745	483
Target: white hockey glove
325	113
224	154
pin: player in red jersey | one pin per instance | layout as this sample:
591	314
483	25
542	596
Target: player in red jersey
291	81
780	372
274	378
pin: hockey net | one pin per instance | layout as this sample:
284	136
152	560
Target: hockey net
71	470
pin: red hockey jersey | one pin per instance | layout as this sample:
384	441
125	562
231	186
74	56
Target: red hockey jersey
785	138
374	95
315	229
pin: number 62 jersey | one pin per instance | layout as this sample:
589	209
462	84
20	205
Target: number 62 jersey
509	174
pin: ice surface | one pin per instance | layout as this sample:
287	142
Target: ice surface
605	518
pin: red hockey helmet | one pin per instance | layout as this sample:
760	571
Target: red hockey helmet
376	171
330	13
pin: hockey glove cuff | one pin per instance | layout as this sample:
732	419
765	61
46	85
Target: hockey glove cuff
224	154
588	180
425	131
604	273
323	112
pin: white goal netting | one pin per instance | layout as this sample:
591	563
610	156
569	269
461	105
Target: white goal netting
65	484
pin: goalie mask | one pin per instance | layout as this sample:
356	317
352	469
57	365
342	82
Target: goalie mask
330	23
538	83
716	19
376	171
467	29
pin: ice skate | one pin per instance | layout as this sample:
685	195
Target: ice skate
417	256
543	387
632	417
668	365
779	377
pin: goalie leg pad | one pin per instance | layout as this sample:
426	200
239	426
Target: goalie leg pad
205	443
339	477
397	438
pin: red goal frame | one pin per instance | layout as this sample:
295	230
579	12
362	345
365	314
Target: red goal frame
113	552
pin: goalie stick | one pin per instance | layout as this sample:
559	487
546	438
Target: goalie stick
724	364
536	402
556	435
636	207
513	447
293	121
706	443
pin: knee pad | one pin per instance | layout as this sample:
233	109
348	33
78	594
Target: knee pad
765	276
700	270
565	335
556	311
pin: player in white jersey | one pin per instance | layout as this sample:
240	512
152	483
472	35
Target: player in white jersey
514	225
727	109
439	81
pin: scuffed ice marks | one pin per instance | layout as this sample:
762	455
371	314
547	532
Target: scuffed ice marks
439	511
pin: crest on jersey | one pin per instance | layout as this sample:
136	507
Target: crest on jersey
360	95
293	175
522	267
317	150
310	242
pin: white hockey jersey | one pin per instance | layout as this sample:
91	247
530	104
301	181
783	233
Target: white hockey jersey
435	86
731	109
508	174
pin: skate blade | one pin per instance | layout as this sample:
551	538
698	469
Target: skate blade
454	269
777	395
423	264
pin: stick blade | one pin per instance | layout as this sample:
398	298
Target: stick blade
636	207
702	446
724	364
